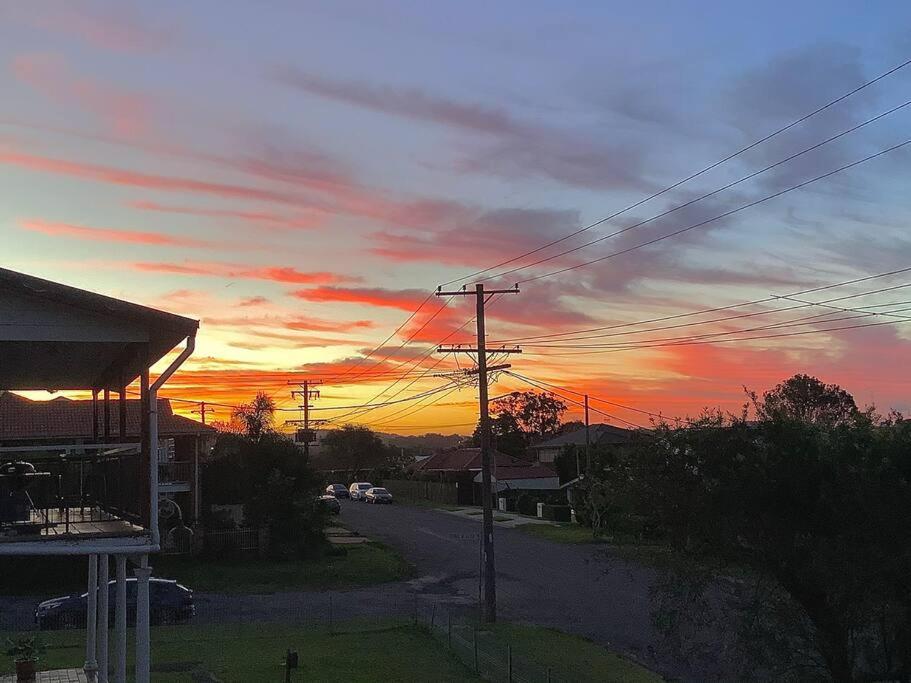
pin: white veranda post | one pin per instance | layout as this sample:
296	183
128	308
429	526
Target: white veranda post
142	621
91	664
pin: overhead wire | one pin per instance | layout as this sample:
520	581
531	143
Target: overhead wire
691	176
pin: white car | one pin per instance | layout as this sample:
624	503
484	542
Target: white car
358	490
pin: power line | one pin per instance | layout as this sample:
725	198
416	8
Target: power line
719	341
691	176
725	214
716	309
731	184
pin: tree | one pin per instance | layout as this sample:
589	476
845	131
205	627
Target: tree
257	417
806	399
505	435
536	414
355	449
808	504
276	486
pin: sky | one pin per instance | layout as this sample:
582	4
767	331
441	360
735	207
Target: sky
300	177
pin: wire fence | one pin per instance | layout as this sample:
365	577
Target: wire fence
483	649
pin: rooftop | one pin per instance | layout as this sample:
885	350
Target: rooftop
601	434
22	419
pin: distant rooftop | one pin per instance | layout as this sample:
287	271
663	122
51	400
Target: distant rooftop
601	434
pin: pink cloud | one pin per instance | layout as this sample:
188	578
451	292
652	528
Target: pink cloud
282	274
259	217
116	176
126	113
402	299
110	234
118	27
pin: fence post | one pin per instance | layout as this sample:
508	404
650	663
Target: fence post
330	613
414	614
449	629
509	663
476	669
433	613
548	674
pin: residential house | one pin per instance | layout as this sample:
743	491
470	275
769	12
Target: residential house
462	466
182	443
599	434
94	499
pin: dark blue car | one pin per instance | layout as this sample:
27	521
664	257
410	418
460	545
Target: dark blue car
169	603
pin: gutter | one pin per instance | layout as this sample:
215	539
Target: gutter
153	434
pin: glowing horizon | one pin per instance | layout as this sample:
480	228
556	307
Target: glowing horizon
300	183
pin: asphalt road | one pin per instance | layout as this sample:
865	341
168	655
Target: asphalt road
586	590
581	589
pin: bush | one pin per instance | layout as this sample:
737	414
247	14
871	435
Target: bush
558	513
527	504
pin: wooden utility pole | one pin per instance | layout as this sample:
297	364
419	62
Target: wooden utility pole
588	441
202	410
490	576
306	393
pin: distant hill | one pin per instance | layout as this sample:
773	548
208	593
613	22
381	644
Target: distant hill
422	444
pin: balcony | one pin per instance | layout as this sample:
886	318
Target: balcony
70	493
175	477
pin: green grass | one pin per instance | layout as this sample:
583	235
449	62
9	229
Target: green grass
561	533
364	564
255	652
570	657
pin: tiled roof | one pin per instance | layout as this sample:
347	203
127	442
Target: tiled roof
602	434
24	419
463	460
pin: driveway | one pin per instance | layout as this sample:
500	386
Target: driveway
582	589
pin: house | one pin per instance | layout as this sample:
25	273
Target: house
97	498
599	434
463	467
182	442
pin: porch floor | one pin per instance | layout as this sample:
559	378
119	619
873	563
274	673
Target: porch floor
83	522
56	676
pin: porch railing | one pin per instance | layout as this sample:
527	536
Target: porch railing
72	484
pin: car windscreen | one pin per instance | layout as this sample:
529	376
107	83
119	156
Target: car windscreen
364	487
380	491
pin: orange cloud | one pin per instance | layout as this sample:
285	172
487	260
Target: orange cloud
110	234
402	299
240	271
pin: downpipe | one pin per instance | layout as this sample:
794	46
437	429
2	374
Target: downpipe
153	433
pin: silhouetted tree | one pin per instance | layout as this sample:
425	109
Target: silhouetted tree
257	417
808	504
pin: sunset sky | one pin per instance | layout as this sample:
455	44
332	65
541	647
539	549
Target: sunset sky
300	176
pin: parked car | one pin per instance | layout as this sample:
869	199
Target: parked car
169	603
358	489
378	495
331	504
337	490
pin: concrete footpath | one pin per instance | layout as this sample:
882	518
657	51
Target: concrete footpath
509	520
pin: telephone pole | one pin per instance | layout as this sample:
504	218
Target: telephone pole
202	410
588	441
306	393
490	575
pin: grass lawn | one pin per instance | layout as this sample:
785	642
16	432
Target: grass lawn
365	564
255	652
569	657
561	533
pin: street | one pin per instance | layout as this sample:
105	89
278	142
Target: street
581	589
